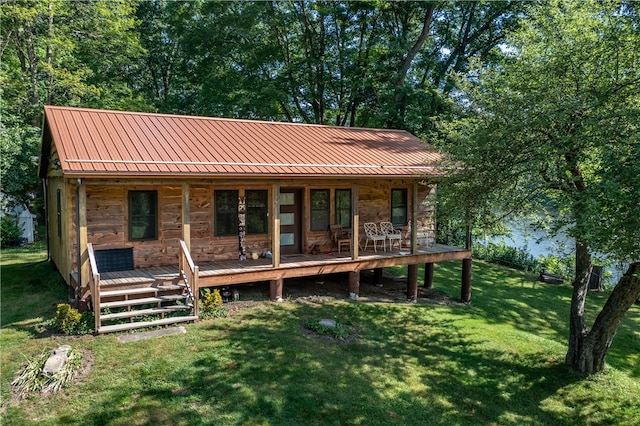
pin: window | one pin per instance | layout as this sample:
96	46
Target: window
319	209
226	212
143	215
343	207
257	209
399	207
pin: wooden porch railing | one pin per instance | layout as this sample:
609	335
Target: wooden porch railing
94	285
189	272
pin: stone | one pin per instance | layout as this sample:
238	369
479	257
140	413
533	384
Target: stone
56	360
328	323
134	337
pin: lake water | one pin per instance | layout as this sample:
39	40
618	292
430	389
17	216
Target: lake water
538	243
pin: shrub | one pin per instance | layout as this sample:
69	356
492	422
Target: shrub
211	304
69	321
210	299
517	258
563	266
520	258
10	232
86	324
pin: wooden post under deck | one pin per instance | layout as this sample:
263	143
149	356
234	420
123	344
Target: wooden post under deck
354	284
377	276
275	289
465	289
428	275
412	283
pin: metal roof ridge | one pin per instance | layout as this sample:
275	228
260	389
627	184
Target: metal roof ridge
202	117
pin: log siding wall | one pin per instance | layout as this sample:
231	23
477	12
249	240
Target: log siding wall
107	217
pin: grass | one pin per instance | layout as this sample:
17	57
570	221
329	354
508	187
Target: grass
497	361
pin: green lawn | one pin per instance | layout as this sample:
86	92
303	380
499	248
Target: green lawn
498	361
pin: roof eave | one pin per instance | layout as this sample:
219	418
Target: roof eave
152	175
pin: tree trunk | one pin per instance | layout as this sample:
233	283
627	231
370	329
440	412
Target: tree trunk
596	343
399	92
577	328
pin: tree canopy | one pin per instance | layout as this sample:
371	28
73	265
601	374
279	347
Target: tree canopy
373	63
555	126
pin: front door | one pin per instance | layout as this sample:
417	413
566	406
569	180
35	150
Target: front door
290	220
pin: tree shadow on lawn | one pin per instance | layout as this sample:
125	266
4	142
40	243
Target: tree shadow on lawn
501	297
29	291
505	296
403	368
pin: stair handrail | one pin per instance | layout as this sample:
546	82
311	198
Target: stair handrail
189	271
94	285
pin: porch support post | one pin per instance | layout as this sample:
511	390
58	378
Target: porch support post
377	276
186	215
275	289
412	283
83	255
355	221
275	229
354	284
428	275
414	217
465	290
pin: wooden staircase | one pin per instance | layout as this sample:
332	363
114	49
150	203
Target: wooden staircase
144	302
141	307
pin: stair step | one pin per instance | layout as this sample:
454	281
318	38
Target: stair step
118	281
150	311
143	301
143	324
141	290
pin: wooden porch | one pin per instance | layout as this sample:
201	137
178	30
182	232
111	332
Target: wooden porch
176	288
225	273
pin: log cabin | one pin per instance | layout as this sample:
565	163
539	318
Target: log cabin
144	210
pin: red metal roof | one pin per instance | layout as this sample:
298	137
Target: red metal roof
116	143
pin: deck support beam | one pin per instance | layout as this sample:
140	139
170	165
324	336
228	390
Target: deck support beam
412	283
354	284
465	289
428	275
275	289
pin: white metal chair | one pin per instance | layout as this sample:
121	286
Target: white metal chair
386	228
372	234
340	237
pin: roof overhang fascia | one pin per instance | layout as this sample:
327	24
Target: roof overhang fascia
263	176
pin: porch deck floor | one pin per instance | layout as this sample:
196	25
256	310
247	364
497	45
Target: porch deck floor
237	271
